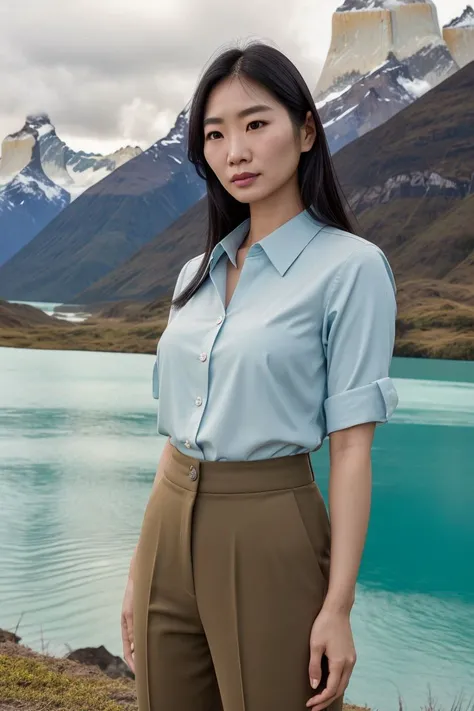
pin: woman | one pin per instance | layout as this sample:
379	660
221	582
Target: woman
280	334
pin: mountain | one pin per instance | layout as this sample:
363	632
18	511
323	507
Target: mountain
368	102
74	171
30	200
423	156
459	36
384	54
151	272
39	176
107	223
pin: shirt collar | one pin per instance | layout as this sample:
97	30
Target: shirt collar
282	246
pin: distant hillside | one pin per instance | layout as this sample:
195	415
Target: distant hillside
24	316
411	182
151	272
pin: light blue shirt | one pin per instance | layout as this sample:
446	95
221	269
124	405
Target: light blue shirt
303	349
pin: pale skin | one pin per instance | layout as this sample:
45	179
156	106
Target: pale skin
265	142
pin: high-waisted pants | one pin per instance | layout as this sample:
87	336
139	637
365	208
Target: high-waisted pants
231	569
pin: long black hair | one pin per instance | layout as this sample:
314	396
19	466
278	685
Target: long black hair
321	192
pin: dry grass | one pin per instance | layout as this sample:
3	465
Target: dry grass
435	320
112	335
39	682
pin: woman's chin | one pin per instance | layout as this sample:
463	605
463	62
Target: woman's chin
250	195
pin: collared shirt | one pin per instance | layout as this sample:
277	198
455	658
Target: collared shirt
303	348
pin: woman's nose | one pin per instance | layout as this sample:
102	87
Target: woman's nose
237	149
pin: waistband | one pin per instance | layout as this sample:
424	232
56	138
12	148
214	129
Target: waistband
247	476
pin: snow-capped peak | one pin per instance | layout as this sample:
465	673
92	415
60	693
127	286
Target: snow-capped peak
466	19
358	5
40	123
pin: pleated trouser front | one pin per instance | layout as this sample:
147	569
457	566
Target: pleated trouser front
232	567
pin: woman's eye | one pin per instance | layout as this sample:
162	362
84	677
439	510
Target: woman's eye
211	133
257	121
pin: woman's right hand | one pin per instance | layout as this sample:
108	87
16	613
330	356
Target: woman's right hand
127	625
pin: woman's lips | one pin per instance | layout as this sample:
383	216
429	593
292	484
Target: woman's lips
245	181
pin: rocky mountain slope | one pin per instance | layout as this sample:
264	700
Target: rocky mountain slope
368	103
40	175
384	54
459	36
105	225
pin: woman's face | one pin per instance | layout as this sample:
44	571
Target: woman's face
262	141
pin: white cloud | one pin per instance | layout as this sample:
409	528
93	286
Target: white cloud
115	72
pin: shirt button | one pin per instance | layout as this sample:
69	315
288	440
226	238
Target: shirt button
203	357
219	320
187	444
193	473
198	401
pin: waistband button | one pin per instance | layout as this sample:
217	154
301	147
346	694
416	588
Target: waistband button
192	473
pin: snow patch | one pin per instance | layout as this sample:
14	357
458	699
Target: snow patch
32	185
177	138
415	87
332	97
44	129
341	116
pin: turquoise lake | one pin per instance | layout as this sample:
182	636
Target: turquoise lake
78	454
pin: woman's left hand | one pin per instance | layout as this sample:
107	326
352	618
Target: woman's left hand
331	635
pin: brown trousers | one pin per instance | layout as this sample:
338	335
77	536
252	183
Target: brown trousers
232	567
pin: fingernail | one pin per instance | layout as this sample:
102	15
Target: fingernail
314	683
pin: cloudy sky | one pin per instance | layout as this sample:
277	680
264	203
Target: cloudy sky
115	72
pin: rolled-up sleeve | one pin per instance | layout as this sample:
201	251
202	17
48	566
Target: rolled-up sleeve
179	285
358	337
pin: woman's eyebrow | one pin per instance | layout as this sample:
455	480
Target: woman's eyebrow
241	114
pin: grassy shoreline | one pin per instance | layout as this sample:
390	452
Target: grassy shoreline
34	681
426	328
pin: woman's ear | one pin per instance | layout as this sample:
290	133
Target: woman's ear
308	133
